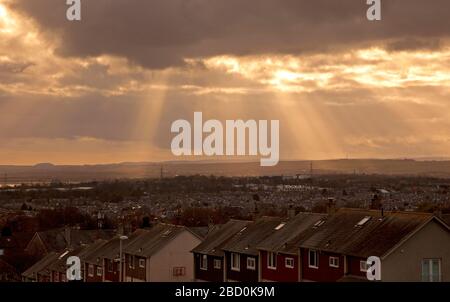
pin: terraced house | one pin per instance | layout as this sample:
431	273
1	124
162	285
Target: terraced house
411	246
209	258
242	262
161	254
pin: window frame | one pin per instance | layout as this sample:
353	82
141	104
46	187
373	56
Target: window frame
316	257
217	264
271	260
289	259
250	267
91	270
430	268
363	266
179	271
335	263
233	264
204	262
142	260
99	269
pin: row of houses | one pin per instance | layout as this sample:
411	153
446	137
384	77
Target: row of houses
306	247
327	248
161	254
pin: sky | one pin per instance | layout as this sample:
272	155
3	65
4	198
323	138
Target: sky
107	89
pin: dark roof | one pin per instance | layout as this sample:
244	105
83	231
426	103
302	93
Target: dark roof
246	241
219	236
201	232
150	241
377	236
284	240
446	219
56	240
110	249
91	249
60	264
17	241
41	266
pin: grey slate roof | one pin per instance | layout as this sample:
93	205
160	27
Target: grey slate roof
284	240
150	241
110	249
55	240
41	266
246	241
217	238
340	233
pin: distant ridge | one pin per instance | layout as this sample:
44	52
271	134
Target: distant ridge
46	172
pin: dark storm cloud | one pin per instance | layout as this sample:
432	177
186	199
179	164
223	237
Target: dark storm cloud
162	33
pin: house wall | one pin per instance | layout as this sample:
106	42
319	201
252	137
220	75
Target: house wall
211	274
135	273
324	272
281	273
405	263
244	275
176	253
354	266
93	278
113	276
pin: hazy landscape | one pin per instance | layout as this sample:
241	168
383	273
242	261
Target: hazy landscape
49	172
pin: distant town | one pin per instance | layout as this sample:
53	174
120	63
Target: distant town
59	219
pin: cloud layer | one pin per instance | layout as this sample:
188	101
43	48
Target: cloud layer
107	88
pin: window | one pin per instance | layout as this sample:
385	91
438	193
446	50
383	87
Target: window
179	271
289	262
204	262
110	266
217	264
313	260
334	262
431	270
363	266
91	270
130	261
272	260
235	262
141	263
251	263
99	271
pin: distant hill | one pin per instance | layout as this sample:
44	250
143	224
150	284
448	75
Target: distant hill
48	172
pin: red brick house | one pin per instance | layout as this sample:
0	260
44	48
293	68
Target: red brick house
209	258
103	264
241	253
39	272
411	246
279	252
